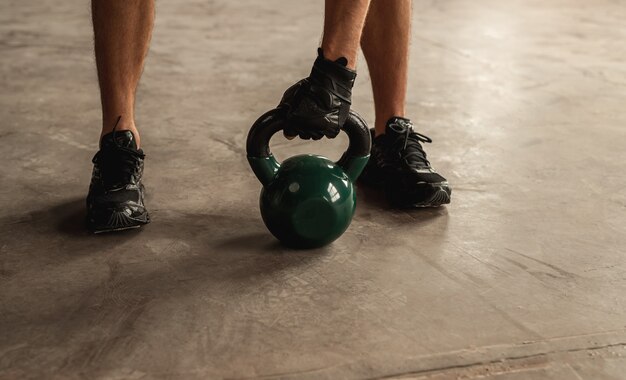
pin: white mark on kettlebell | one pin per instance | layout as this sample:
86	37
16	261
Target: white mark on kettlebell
294	186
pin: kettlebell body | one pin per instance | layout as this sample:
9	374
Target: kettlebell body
307	201
310	203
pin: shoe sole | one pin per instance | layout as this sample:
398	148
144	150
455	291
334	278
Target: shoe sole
441	194
104	231
120	221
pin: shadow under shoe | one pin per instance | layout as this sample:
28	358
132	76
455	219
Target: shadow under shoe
116	195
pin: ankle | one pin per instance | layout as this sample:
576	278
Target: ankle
333	53
379	129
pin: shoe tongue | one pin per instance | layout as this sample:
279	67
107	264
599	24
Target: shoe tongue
397	126
124	139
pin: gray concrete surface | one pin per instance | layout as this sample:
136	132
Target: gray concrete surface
523	276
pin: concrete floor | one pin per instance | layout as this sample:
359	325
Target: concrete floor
523	276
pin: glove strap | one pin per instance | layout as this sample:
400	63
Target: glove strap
334	75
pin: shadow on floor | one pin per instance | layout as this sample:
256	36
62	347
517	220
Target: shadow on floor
225	261
179	254
373	207
229	239
56	228
68	219
372	197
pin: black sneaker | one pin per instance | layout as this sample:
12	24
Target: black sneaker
398	165
115	199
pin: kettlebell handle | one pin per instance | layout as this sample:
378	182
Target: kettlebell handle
265	165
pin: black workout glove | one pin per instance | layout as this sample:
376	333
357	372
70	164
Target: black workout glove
319	105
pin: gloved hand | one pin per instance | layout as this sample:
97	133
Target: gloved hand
319	105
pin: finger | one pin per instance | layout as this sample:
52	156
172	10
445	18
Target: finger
289	135
307	134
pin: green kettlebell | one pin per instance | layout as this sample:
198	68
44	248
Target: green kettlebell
307	201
